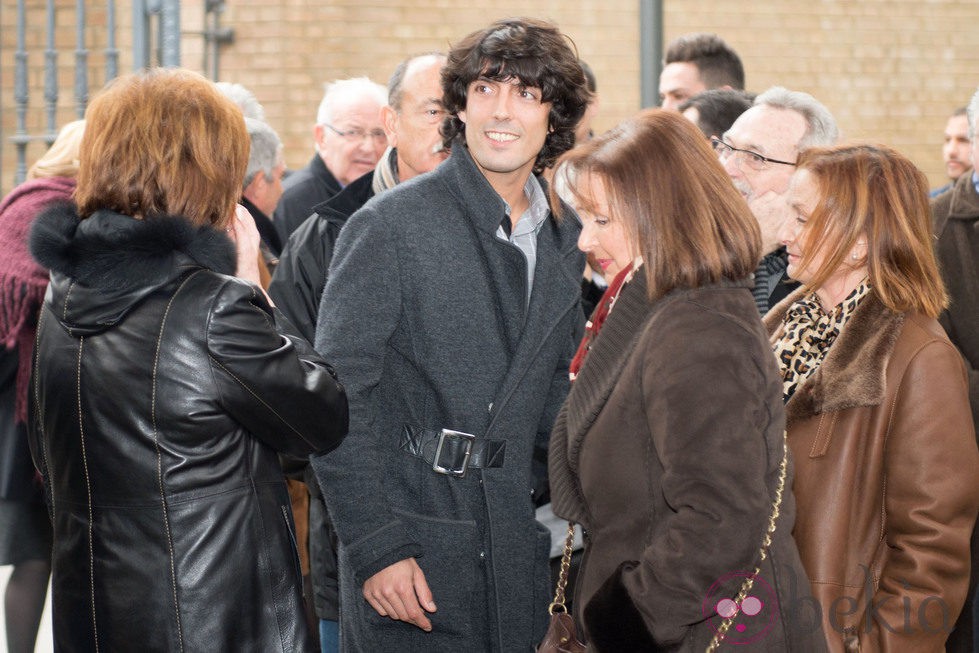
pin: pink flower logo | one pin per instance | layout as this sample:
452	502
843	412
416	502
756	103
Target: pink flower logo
753	617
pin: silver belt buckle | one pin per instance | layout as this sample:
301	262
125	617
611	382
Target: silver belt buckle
451	471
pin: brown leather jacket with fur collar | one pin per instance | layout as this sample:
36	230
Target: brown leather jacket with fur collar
886	462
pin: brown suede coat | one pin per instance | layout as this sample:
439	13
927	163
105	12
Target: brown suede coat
886	463
667	451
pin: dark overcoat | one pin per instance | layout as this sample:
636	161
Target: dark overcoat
956	222
427	318
956	219
301	191
668	452
162	389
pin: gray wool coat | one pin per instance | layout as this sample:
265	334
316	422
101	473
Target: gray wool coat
427	320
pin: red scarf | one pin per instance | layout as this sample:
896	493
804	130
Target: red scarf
22	281
598	317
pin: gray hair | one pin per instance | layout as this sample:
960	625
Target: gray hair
265	153
821	129
348	88
244	98
973	113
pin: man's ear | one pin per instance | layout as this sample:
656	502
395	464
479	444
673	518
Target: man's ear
318	136
254	187
389	119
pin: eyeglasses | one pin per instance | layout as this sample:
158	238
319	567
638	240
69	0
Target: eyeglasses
358	134
754	160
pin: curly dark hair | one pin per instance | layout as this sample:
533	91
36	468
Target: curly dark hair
532	51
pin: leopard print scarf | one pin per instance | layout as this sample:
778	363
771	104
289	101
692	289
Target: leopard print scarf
808	333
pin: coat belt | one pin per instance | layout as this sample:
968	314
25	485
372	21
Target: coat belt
451	452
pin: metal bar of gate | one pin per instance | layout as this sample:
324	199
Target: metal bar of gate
170	33
51	74
81	61
141	36
650	50
21	139
111	52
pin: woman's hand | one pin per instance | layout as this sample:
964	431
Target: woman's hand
244	233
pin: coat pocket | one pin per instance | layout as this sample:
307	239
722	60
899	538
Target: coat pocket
451	555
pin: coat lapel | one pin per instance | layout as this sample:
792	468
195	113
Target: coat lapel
610	351
853	372
500	261
556	291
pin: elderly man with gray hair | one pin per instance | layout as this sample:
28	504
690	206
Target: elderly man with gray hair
244	98
349	139
262	186
759	152
412	121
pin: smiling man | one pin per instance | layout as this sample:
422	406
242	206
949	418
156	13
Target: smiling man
451	312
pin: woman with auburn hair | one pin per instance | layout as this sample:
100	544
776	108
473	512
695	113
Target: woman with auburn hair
25	531
877	404
164	384
670	449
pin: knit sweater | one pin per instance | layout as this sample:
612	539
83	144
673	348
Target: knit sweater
22	280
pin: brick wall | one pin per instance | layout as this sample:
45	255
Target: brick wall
307	46
891	71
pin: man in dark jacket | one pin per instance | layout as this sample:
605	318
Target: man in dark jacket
262	186
411	121
956	217
452	310
349	141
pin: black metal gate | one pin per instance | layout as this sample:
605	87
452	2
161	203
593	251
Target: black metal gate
95	57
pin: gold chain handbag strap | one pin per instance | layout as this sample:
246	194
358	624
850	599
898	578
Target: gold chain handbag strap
765	543
557	605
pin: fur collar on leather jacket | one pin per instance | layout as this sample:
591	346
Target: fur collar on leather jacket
109	249
103	266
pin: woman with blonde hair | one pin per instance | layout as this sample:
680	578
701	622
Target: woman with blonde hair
164	383
669	450
877	404
25	532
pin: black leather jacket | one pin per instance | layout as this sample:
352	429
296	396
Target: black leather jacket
162	390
